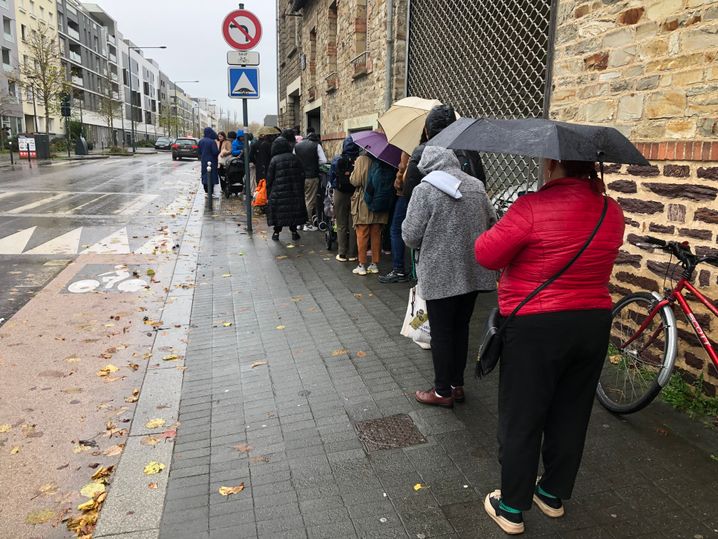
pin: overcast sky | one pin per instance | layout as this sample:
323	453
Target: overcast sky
196	50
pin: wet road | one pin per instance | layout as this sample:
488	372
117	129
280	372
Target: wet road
49	215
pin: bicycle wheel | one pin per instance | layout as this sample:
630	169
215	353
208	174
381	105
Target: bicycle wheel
634	372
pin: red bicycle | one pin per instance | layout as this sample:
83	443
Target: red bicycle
644	337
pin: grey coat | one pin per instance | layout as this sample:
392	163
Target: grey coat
445	228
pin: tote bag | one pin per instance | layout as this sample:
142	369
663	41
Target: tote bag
416	320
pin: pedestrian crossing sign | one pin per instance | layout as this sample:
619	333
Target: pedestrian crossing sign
243	82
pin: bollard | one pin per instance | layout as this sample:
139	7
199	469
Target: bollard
210	185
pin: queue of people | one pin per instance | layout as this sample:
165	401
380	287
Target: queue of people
553	347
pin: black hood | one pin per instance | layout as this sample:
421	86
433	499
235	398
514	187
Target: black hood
288	134
349	149
313	137
280	146
439	118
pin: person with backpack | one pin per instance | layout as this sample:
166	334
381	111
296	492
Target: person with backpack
209	154
371	203
339	177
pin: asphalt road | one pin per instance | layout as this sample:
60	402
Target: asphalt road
50	214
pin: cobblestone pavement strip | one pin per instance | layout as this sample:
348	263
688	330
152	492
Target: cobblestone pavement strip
271	400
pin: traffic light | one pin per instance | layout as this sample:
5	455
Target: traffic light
65	107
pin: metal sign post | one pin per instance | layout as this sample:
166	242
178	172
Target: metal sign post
242	31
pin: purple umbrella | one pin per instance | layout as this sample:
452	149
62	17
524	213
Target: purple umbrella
376	144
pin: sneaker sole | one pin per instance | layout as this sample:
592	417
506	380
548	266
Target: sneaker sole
547	509
508	527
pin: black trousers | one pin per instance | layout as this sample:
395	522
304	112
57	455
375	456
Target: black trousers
549	369
449	322
278	229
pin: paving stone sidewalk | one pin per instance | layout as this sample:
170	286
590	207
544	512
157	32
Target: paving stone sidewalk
286	429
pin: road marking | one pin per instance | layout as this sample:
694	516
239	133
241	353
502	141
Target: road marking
67	244
94	200
135	205
115	243
15	243
39	203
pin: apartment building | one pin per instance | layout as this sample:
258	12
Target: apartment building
10	107
35	16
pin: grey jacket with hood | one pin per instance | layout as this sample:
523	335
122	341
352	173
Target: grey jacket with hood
444	228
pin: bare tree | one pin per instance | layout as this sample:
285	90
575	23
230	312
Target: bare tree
43	73
109	108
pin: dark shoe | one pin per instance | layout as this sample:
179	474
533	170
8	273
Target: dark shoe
551	507
510	523
394	276
458	394
275	236
296	236
433	398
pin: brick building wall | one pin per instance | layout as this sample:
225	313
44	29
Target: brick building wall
344	46
651	69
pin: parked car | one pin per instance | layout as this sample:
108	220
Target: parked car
164	143
185	147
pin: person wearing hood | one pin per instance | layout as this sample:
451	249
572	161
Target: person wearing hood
340	179
290	136
448	210
238	144
208	154
438	119
285	190
260	154
312	156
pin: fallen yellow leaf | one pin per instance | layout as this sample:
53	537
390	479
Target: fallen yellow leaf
72	359
258	363
40	516
150	440
170	357
5	428
89	505
134	397
15	450
114	450
290	246
102	472
154	467
258	459
361	354
226	324
48	489
155	423
419	486
226	275
282	257
281	327
150	273
337	353
133	366
90	490
107	370
243	448
227	491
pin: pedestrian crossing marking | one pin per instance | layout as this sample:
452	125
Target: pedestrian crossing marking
67	244
15	243
41	202
115	243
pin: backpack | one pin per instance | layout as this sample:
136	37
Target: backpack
340	173
471	163
379	193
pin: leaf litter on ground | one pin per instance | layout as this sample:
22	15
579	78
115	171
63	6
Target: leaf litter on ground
228	491
153	467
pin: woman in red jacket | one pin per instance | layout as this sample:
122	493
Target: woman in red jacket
554	348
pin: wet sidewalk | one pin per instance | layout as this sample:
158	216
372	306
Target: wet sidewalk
289	353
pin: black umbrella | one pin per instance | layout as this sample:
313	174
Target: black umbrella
536	137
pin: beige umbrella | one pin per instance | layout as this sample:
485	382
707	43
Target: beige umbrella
404	122
267	130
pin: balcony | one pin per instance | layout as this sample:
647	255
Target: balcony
74	34
77	81
75	57
112	58
332	82
361	65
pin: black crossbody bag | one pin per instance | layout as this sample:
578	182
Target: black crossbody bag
490	350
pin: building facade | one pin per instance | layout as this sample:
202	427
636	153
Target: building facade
645	67
10	107
35	16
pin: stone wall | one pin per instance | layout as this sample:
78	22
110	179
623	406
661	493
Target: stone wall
651	69
346	80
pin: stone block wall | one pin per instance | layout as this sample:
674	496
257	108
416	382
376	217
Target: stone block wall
650	69
347	84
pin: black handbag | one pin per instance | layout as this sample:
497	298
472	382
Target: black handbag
492	343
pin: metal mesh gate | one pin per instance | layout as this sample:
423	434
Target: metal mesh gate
487	58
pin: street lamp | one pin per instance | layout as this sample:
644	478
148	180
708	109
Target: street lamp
132	106
177	103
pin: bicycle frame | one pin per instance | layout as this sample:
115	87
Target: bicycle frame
675	295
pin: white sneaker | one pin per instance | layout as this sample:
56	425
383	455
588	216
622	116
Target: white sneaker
359	270
215	194
352	259
310	228
372	268
341	258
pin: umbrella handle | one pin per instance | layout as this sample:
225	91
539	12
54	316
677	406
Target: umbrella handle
600	155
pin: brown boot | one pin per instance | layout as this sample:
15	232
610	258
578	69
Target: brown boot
433	398
458	394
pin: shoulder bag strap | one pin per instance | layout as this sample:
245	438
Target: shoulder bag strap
562	270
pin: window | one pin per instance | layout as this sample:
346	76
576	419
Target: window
12	88
42	13
23	32
6	57
7	28
32	7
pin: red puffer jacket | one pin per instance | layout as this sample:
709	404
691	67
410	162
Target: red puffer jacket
537	237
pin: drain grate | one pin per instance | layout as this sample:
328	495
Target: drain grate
393	432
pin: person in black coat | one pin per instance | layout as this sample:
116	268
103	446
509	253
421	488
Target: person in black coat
285	190
260	154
